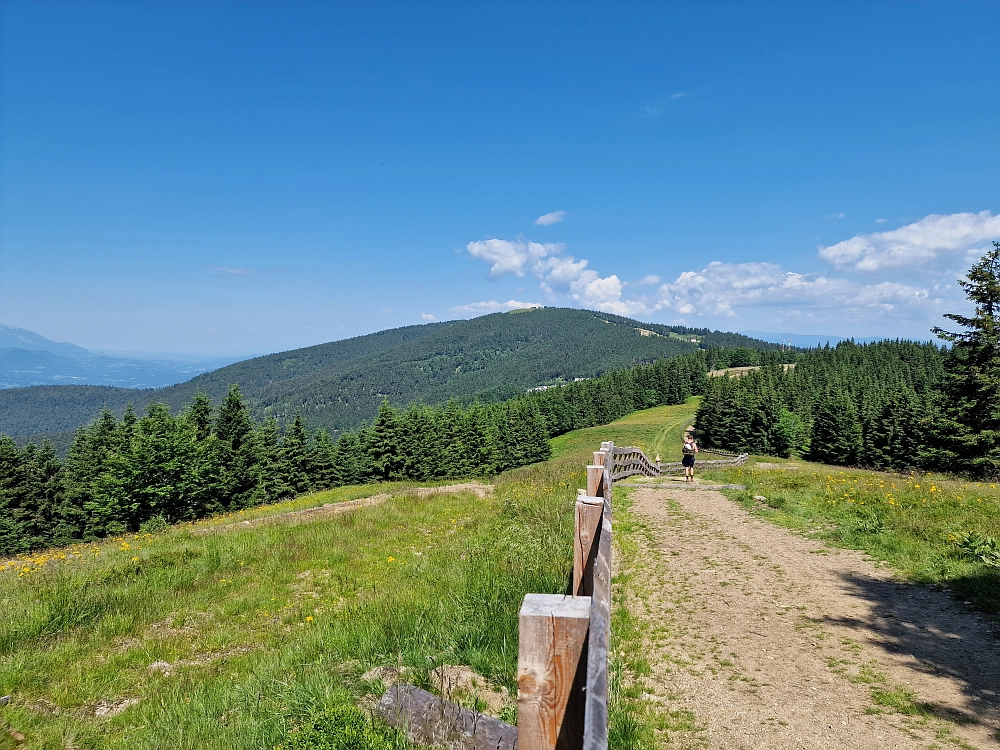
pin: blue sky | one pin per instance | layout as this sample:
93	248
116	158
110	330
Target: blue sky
234	178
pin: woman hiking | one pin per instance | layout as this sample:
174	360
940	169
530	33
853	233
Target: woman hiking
689	449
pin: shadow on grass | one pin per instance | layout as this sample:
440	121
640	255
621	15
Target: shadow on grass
943	636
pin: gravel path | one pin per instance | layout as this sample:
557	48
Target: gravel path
773	640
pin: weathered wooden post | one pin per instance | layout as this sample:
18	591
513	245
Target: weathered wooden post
589	512
595	481
552	671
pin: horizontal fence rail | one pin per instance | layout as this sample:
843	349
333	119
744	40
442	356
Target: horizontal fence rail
632	461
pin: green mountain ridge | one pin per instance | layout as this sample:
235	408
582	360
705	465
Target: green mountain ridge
339	385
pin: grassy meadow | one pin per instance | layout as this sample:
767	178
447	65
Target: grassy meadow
260	637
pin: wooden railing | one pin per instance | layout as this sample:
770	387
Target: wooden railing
562	663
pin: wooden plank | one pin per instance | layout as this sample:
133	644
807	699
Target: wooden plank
598	643
599	458
428	720
589	512
552	671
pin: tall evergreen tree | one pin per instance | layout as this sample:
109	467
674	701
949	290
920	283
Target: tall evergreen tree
384	445
973	366
836	432
296	453
234	430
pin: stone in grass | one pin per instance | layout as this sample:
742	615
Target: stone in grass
4	700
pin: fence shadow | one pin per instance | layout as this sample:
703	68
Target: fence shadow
943	635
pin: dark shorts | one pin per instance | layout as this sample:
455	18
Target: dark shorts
687	461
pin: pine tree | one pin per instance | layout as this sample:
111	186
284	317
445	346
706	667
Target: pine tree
296	454
236	450
199	414
325	474
268	470
14	515
51	521
384	445
836	431
973	366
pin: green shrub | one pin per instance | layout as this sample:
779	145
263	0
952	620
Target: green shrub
154	525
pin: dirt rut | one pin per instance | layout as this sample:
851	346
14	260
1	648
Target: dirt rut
774	640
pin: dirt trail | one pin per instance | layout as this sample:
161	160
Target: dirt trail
334	509
773	640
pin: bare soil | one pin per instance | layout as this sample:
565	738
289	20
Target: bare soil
333	509
773	640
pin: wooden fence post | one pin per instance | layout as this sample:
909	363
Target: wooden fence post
552	671
595	481
589	512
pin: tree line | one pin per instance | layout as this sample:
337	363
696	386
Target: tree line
894	405
127	474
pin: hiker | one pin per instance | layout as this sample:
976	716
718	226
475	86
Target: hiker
689	448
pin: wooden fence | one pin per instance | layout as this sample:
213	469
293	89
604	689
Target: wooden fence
562	664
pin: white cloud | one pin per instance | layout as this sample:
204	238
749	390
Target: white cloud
558	274
506	256
880	221
492	305
679	94
838	215
652	110
722	289
931	240
547	220
225	271
428	317
761	293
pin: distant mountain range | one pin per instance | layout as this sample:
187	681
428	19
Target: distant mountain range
27	359
341	384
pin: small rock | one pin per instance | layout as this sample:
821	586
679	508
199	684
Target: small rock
16	735
760	498
4	700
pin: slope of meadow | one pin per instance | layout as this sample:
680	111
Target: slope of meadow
254	636
261	636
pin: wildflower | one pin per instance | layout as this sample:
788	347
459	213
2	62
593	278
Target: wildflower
309	618
392	559
135	559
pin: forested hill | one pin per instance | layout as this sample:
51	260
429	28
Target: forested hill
340	385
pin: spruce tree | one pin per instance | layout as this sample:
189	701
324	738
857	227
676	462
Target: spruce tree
384	445
14	516
836	431
236	449
973	367
325	473
267	469
199	414
296	454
